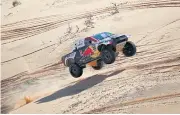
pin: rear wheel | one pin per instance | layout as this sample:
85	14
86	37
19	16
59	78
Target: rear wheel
99	65
108	56
129	49
75	70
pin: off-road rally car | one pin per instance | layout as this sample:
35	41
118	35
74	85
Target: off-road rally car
96	50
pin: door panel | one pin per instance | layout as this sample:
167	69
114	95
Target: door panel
89	52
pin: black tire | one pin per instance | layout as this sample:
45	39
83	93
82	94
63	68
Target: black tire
129	49
75	70
108	56
99	65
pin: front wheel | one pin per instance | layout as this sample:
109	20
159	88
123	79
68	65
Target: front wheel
129	49
99	65
108	56
75	70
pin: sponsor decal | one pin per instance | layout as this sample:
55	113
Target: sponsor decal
96	54
72	55
88	51
93	39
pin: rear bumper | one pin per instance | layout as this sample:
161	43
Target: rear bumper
121	39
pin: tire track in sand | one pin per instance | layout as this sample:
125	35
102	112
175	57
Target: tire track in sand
17	30
133	102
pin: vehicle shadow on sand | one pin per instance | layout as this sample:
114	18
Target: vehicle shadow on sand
78	87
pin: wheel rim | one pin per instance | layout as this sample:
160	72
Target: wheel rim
73	70
107	55
128	49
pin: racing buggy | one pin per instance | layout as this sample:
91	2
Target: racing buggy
96	50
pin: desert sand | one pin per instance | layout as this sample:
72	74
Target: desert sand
35	34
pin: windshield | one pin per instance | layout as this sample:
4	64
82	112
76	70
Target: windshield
103	35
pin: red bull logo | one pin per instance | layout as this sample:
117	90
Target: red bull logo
88	51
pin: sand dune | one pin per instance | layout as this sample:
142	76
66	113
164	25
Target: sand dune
34	39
